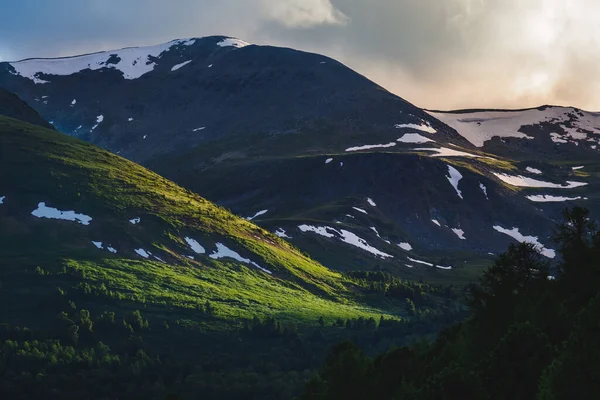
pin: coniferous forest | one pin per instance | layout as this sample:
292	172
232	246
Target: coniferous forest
532	333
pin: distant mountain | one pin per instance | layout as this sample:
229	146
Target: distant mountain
188	93
548	131
321	156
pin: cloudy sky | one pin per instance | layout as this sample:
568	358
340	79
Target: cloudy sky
438	54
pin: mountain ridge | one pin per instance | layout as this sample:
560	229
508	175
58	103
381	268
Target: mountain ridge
315	140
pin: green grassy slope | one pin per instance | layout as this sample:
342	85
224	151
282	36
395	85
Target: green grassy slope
41	165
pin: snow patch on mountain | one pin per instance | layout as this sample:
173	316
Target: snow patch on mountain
420	262
519	237
371	202
557	138
328	160
135	221
258	214
454	177
43	211
405	246
446	152
142	253
2	199
345	236
547	198
319	230
97	244
523	181
224	252
133	62
280	232
414	138
460	233
379	236
484	190
233	42
533	170
371	146
99	120
183	64
480	126
360	210
435	221
577	168
425	127
195	246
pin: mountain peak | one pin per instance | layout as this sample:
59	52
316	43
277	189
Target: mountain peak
133	62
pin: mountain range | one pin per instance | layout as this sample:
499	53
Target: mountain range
309	149
266	200
117	275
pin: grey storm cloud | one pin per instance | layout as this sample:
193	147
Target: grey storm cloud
438	54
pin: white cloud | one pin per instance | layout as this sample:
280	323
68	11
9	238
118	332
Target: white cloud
437	54
304	13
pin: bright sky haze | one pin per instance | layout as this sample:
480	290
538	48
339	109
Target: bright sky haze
438	54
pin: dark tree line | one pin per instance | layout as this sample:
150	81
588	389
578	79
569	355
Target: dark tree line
530	335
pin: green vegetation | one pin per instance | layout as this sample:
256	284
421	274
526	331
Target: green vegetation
530	335
81	322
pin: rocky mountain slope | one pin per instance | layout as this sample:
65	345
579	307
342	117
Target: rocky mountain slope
85	218
117	280
319	155
13	107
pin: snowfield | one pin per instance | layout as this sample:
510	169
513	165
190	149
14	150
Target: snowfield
195	246
424	126
519	237
99	120
523	181
460	233
43	211
371	146
480	126
454	178
484	190
345	236
428	264
405	246
414	138
533	170
132	62
183	64
258	214
224	252
233	42
281	233
547	198
446	152
142	253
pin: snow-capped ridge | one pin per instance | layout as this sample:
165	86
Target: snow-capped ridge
132	62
